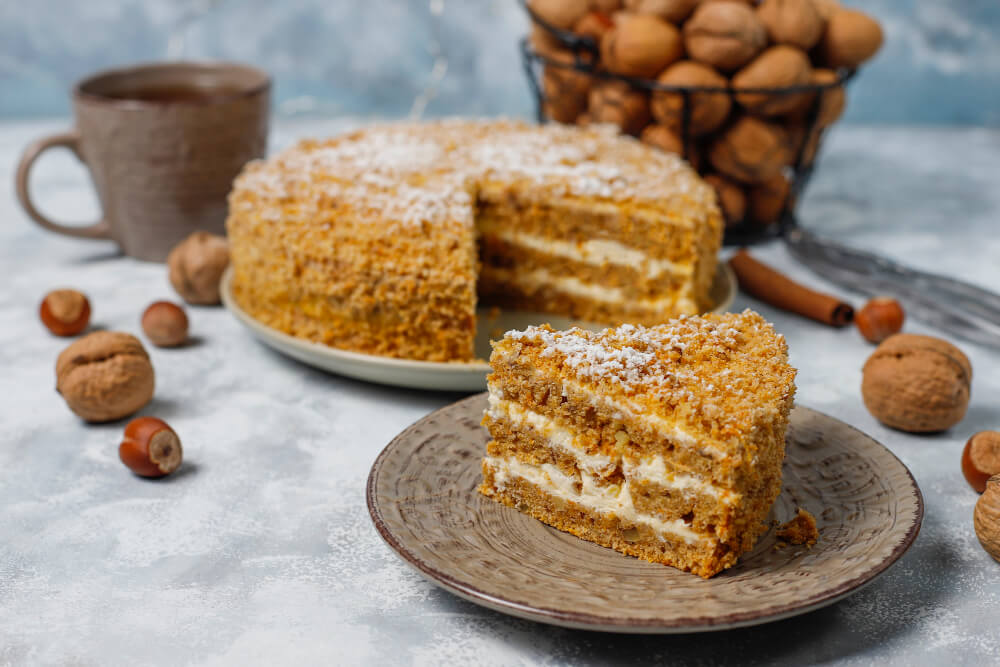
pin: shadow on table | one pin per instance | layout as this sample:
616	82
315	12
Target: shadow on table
875	617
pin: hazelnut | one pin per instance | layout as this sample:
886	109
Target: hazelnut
165	324
732	198
725	35
65	312
640	45
196	265
986	518
767	200
750	150
708	110
559	13
794	22
777	67
105	376
851	37
880	318
150	448
981	459
617	102
917	384
594	25
673	11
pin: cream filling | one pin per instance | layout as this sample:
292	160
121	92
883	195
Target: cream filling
572	285
653	422
594	252
649	469
612	499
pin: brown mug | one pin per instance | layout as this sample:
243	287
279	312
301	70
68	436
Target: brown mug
163	143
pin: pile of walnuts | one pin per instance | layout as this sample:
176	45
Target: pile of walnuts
743	143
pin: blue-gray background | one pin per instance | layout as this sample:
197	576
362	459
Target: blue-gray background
941	62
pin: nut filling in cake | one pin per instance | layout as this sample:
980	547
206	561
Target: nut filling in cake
384	240
662	442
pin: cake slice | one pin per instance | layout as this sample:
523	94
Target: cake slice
662	442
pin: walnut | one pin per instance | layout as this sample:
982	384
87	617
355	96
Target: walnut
794	22
559	13
725	35
986	518
669	140
640	45
196	265
674	11
105	376
826	8
732	198
708	110
776	67
593	25
750	150
917	383
832	104
851	37
565	89
544	41
768	199
619	103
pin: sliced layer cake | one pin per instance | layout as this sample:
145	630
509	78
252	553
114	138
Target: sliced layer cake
384	240
665	443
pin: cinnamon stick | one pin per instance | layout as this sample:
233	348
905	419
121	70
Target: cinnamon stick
770	286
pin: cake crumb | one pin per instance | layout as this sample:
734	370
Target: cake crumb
801	529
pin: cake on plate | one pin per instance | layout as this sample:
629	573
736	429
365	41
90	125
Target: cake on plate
663	442
384	240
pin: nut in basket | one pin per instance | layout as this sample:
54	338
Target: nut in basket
743	90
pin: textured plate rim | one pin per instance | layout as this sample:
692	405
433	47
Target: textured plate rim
585	621
266	334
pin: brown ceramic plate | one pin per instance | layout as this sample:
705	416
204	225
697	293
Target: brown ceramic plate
422	497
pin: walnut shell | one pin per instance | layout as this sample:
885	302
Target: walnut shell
826	8
917	383
986	518
832	104
767	200
851	37
673	11
708	110
105	376
750	150
544	42
617	102
593	25
794	22
559	13
725	35
196	265
668	140
732	198
800	141
565	89
640	45
777	67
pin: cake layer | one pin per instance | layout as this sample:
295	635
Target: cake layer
384	219
543	494
658	486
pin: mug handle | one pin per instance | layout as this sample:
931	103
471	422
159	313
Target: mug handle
70	140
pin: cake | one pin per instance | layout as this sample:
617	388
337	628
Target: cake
662	442
384	240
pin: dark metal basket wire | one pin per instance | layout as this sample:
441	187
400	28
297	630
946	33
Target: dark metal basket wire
585	58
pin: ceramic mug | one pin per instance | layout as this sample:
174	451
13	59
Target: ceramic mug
163	143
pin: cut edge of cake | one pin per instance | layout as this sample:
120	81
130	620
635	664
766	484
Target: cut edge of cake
663	442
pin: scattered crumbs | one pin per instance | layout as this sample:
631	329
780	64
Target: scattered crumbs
800	529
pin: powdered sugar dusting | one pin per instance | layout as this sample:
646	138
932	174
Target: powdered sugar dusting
424	173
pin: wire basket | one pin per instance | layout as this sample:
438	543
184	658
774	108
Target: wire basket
808	132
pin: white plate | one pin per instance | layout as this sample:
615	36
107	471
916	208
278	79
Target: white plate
443	376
